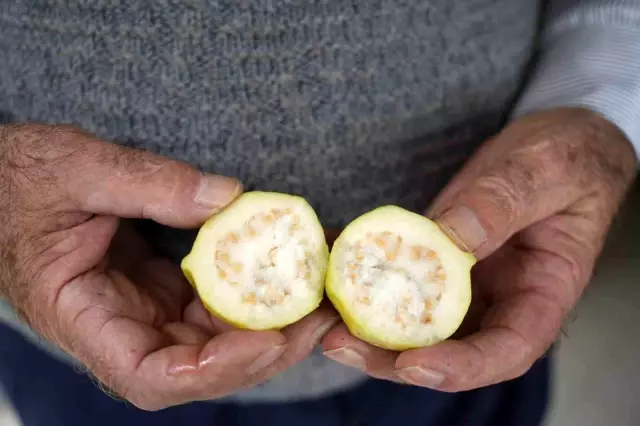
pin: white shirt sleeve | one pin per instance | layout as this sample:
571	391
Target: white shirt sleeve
589	56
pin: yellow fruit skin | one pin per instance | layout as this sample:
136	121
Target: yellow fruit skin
190	262
360	330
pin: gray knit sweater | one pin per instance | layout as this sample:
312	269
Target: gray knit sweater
349	103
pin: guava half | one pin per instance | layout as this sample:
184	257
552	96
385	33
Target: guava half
398	281
261	262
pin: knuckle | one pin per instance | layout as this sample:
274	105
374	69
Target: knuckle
527	350
106	378
178	182
144	403
142	166
554	163
145	399
454	387
608	155
34	156
520	370
502	194
521	348
477	368
547	159
27	141
27	208
178	179
567	271
30	144
473	370
136	164
178	176
522	359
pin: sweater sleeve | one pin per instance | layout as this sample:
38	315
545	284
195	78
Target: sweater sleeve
589	56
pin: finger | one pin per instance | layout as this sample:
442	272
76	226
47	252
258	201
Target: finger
182	373
302	337
164	281
186	334
139	184
196	313
109	179
106	322
152	369
64	255
535	178
515	333
341	346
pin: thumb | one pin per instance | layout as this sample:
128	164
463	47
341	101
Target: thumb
108	179
481	209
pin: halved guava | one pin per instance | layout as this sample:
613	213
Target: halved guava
261	262
398	281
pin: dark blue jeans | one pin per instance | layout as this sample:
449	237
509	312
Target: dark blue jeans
46	392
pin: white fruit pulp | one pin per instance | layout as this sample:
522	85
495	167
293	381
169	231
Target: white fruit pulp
399	278
261	262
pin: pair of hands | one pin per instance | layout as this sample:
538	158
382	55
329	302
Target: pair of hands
534	204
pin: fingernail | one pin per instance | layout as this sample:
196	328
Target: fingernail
266	359
217	191
319	332
463	227
421	376
346	356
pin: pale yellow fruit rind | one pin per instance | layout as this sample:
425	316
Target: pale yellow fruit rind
458	264
199	270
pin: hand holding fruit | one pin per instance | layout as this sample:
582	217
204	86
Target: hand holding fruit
84	279
533	205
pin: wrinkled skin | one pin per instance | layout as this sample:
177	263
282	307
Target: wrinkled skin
534	204
80	275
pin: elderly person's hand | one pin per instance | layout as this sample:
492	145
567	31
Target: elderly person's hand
534	205
84	279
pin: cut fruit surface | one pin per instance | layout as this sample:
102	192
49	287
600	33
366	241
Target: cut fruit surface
398	280
261	262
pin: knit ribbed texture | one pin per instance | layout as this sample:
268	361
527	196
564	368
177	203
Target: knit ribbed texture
349	103
590	57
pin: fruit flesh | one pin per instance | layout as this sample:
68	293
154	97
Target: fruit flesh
261	262
397	280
